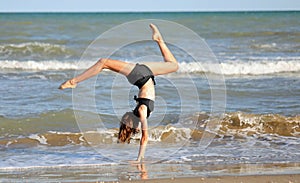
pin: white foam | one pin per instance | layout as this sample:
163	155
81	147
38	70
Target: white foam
264	46
41	65
179	134
40	44
259	68
255	66
40	138
31	47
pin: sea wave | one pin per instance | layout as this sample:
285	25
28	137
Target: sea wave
234	67
233	125
33	50
249	34
32	65
255	66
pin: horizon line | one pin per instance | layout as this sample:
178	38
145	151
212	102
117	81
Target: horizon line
155	11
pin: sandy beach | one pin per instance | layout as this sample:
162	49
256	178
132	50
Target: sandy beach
289	178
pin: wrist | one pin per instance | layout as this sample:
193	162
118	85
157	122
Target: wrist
139	159
73	81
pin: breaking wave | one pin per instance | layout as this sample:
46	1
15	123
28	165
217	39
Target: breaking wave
234	125
259	67
33	50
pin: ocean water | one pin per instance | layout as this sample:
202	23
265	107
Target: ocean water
232	108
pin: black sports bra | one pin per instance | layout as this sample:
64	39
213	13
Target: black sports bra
143	101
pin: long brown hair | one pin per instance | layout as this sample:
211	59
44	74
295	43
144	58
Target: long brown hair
128	126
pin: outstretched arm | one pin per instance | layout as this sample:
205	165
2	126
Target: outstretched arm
144	126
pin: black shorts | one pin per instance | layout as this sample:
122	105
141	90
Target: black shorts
139	75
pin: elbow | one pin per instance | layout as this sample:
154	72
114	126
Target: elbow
144	140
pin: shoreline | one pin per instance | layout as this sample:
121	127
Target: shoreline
280	178
158	173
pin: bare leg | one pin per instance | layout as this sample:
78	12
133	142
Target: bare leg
113	65
170	64
158	68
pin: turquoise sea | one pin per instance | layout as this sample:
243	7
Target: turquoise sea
231	110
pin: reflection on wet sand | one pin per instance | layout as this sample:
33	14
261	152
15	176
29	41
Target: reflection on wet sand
143	171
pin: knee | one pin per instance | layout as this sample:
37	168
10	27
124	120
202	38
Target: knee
175	66
101	62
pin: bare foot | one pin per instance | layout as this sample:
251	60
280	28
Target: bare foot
156	36
67	84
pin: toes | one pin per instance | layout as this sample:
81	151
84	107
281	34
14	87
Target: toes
154	28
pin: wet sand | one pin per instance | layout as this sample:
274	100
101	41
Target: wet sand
289	178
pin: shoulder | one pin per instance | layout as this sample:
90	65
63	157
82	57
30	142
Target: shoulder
142	108
143	111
